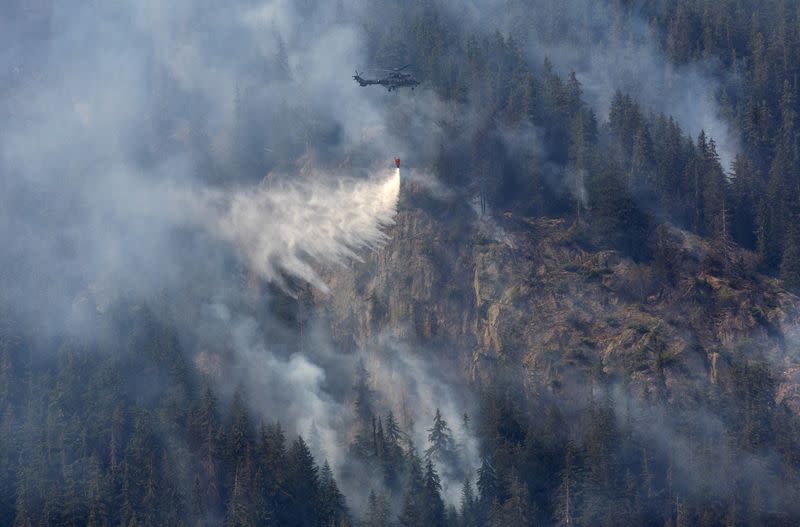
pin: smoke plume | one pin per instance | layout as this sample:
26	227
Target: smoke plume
610	46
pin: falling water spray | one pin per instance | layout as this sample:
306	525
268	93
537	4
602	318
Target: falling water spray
283	229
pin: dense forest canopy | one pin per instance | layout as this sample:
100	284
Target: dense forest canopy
155	372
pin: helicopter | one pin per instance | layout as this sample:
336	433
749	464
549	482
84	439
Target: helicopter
394	79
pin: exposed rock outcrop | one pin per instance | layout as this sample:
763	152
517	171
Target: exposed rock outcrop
540	296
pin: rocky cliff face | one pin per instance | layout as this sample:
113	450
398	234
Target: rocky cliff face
538	295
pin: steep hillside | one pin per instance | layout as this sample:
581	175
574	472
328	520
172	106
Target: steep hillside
544	295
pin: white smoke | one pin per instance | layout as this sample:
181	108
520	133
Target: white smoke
302	390
283	229
612	48
291	389
414	386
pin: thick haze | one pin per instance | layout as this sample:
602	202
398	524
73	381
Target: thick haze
610	50
137	139
137	136
117	115
113	113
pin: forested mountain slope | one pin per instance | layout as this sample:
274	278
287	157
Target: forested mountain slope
579	307
544	294
691	354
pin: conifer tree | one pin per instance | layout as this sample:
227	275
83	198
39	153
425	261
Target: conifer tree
378	511
333	510
468	510
516	509
363	402
746	192
433	506
302	486
566	498
238	509
392	451
272	458
413	508
442	446
238	434
716	217
489	488
780	205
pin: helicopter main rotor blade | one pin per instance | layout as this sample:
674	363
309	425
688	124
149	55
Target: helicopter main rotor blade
394	70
